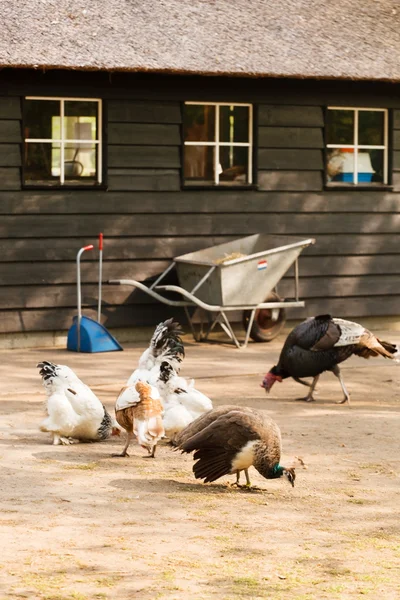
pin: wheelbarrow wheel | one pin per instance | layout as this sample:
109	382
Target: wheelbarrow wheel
264	329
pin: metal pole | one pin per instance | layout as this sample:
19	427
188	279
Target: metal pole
296	277
157	281
100	275
203	279
78	292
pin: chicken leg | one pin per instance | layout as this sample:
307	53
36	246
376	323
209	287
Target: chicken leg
152	452
125	450
337	373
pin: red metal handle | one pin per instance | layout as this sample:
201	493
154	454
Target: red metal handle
100	241
90	247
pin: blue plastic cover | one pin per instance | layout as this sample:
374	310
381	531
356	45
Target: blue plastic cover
94	337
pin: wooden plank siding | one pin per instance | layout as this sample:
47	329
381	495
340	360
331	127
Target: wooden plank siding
396	151
144	142
10	143
290	143
147	218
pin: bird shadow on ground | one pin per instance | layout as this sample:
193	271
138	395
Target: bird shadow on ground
171	485
71	454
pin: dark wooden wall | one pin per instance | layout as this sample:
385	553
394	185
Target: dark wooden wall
147	218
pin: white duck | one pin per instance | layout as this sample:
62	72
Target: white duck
74	411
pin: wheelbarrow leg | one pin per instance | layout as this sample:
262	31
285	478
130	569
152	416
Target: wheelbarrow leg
249	326
211	325
192	329
226	326
204	318
222	320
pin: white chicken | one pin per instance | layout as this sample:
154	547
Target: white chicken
74	411
159	366
182	401
165	345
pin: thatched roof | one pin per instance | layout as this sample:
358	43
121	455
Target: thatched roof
351	39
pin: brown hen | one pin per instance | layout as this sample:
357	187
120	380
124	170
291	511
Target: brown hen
139	410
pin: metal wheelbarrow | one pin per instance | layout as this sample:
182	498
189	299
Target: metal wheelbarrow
241	275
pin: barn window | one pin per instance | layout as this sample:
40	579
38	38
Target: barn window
218	143
357	146
62	141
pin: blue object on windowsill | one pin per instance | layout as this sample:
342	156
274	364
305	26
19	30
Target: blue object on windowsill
349	177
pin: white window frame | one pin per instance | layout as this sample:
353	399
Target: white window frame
217	144
356	146
62	141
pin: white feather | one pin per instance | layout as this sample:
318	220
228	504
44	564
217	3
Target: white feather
61	417
141	431
73	409
350	332
147	375
182	403
176	418
130	397
150	361
195	402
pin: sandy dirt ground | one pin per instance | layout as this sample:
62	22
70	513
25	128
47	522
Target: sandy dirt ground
77	524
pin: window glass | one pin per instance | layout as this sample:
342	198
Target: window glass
360	157
80	160
42	119
217	144
371	166
340	127
234	124
199	164
80	120
233	164
42	162
370	128
56	153
199	123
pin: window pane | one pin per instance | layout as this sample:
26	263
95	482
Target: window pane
199	123
234	124
199	164
80	121
80	161
42	163
370	128
340	165
233	163
370	166
42	119
340	127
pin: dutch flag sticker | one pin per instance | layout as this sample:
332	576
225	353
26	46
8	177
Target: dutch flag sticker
262	264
